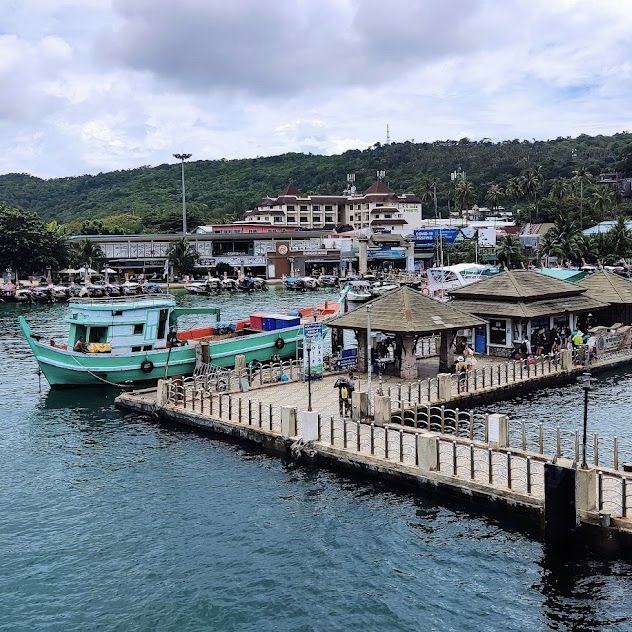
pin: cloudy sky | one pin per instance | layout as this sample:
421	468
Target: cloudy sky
96	85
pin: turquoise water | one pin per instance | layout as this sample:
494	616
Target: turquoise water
111	522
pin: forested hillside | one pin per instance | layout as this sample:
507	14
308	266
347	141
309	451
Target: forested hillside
148	198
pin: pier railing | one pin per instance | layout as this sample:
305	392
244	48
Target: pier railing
212	378
538	438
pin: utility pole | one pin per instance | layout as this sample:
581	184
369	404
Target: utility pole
369	346
182	158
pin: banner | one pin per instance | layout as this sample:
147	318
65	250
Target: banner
429	236
313	335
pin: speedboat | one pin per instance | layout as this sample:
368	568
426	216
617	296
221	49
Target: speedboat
7	292
328	280
310	282
357	291
23	295
229	284
382	287
58	292
199	288
40	294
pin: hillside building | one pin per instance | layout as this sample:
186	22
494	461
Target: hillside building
378	208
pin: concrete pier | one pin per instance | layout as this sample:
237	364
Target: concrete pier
475	464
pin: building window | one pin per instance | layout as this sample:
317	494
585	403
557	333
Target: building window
316	207
303	207
316	218
498	332
388	215
304	219
278	219
139	329
290	207
328	207
366	206
291	220
329	219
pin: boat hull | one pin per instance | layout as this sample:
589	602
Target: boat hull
68	368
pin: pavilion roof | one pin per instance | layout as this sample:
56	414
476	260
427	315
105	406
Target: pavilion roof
609	287
407	311
513	285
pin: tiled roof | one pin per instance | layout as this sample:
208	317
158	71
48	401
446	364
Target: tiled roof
289	189
609	287
379	186
407	311
395	221
516	284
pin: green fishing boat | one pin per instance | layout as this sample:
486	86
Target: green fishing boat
135	339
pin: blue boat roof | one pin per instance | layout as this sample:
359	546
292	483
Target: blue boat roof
142	301
563	274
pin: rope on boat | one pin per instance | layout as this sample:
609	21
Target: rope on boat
97	376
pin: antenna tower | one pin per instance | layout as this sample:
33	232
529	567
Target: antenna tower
388	134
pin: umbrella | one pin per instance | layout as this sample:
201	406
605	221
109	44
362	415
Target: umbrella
108	271
82	270
68	271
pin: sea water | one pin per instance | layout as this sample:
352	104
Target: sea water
109	521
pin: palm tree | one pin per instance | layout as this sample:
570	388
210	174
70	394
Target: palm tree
426	193
509	250
620	239
89	253
494	195
602	200
183	256
561	240
514	189
560	189
464	195
582	177
532	181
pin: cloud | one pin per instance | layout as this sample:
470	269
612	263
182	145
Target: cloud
90	85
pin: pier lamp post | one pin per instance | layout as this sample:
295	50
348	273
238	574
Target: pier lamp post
369	346
308	348
182	158
585	380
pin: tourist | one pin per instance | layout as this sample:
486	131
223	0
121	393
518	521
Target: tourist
461	369
52	343
578	338
345	386
80	346
590	322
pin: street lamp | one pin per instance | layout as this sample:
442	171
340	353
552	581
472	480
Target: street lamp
368	352
308	348
182	158
585	380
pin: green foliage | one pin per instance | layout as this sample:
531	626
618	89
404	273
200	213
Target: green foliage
222	190
463	251
28	245
183	256
87	253
509	251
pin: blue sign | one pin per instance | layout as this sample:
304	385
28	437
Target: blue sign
430	236
386	253
348	358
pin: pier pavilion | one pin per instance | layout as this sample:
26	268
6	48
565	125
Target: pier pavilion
614	290
517	303
408	315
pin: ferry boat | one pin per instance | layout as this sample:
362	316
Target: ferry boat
357	291
133	339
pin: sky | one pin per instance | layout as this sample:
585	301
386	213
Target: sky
100	85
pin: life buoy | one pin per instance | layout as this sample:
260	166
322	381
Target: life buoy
439	292
146	366
425	291
279	343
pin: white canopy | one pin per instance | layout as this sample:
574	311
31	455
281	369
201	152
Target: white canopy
108	271
68	271
82	270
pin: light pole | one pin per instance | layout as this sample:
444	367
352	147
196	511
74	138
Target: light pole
182	158
585	380
368	353
308	348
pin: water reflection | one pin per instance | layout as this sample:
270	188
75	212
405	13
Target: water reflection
584	593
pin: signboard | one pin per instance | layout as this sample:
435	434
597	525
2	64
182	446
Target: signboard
387	253
246	260
313	335
487	236
348	358
429	236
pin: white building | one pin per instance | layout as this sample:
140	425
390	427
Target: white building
378	208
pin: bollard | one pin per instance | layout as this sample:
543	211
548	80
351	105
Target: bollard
528	475
344	433
585	489
427	449
455	464
385	442
310	425
288	421
372	439
498	431
331	430
358	430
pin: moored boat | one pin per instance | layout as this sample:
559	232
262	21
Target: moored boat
134	339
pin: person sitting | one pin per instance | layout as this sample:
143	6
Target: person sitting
80	346
52	342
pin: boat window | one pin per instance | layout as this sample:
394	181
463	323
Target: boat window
135	349
162	323
139	328
147	348
98	334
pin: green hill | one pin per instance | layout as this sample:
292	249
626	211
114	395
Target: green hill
148	198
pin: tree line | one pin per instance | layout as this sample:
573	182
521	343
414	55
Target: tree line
538	179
